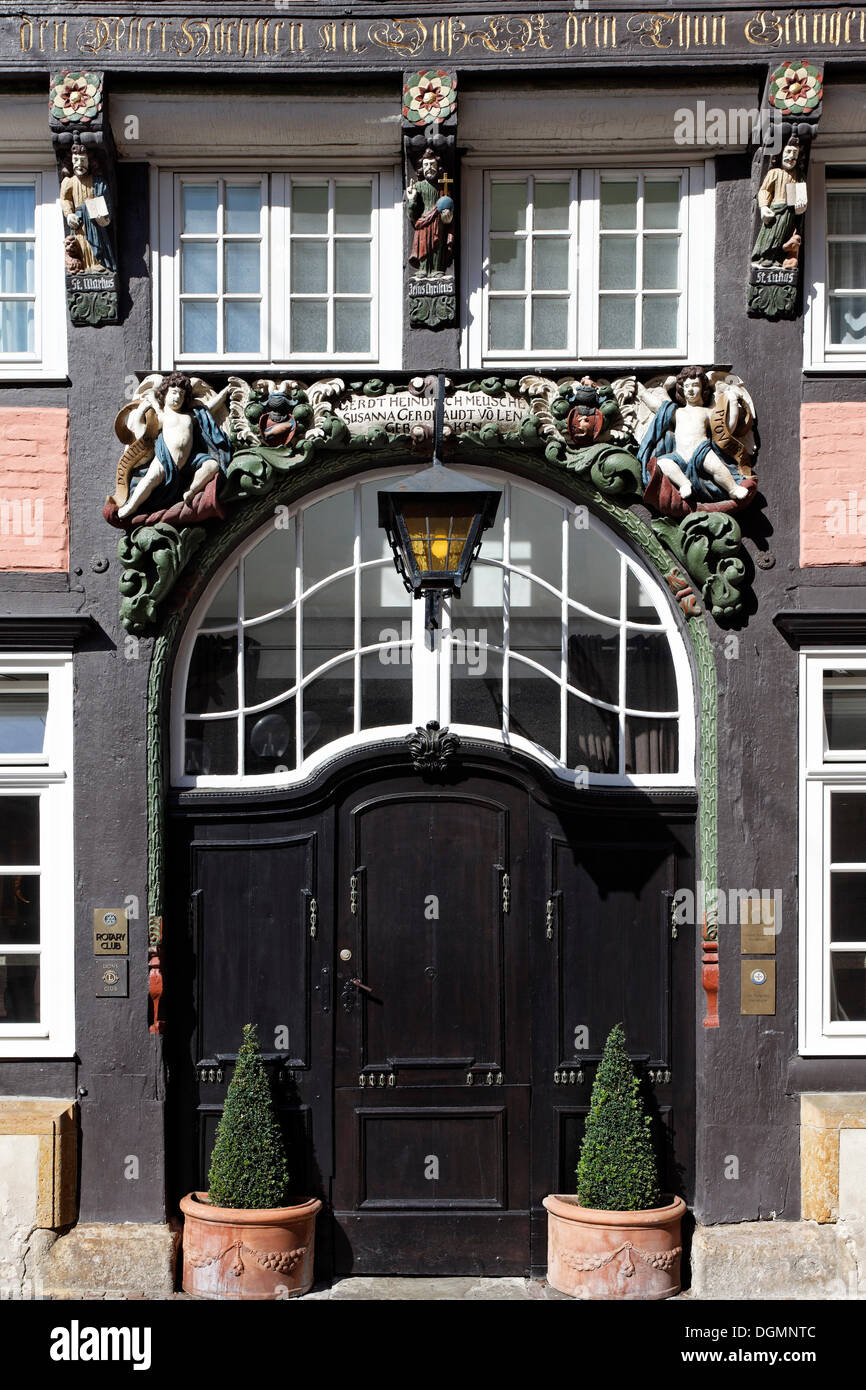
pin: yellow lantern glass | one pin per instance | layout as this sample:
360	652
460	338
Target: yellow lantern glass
437	540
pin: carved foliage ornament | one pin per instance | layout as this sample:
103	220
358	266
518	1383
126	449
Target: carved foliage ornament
432	748
685	446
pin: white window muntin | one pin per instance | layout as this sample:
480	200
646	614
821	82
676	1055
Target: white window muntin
431	668
696	264
833	186
529	237
823	773
47	358
819	354
222	241
53	1035
642	234
275	344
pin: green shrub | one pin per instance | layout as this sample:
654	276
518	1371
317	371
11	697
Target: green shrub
617	1167
248	1164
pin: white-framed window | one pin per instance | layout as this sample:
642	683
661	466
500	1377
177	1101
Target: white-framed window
601	265
256	268
833	853
32	285
562	645
835	327
37	1016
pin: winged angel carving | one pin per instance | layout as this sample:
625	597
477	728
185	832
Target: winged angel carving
693	433
175	453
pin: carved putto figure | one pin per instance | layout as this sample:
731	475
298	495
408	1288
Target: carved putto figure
175	445
778	241
699	438
431	212
86	206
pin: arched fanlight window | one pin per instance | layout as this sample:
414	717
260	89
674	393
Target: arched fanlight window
562	645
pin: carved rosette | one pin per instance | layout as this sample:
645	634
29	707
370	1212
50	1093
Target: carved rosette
432	748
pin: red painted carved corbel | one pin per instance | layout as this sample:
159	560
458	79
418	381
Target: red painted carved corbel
710	971
154	973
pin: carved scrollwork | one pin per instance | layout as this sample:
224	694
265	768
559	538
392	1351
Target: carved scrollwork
432	748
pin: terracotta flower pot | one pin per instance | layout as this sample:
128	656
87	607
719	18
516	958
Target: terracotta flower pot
229	1253
613	1254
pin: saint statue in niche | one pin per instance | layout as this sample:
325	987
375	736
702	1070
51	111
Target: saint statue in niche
782	202
86	207
431	212
177	451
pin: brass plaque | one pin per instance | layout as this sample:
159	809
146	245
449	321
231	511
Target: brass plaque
757	987
112	979
110	932
758	927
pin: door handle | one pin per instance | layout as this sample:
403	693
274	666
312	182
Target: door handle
348	994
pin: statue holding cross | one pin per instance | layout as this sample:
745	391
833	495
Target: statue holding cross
431	212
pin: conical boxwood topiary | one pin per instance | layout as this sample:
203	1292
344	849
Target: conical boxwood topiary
248	1165
617	1166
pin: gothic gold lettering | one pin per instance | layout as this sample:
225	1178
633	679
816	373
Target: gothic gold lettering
147	28
651	30
328	37
43	25
164	23
265	37
25	34
764	28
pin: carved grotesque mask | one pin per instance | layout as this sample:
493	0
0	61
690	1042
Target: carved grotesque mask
790	157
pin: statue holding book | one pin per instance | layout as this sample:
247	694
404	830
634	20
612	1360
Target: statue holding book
781	202
86	207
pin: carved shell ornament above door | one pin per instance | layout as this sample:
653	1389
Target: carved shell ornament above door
683	444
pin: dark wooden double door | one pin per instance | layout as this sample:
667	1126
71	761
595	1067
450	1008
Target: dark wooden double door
433	969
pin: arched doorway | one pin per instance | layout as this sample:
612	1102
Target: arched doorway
433	955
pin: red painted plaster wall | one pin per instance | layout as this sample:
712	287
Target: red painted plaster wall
34	492
833	483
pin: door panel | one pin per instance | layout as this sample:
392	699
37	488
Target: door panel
258	949
608	955
254	968
432	1102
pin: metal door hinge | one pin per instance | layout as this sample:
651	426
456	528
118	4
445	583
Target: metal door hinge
506	893
549	915
314	918
377	1078
672	914
660	1077
569	1077
353	895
